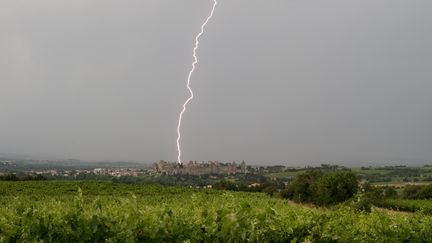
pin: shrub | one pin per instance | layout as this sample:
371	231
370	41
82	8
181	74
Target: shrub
322	189
334	188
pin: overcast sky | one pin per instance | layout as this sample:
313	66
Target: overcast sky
281	81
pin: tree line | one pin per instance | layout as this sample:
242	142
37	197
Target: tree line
14	177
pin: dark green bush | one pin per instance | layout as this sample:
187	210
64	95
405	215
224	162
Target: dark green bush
322	189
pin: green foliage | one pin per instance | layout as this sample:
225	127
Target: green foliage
370	195
226	185
334	188
374	193
390	192
417	192
424	206
361	203
270	187
322	189
51	211
301	189
14	177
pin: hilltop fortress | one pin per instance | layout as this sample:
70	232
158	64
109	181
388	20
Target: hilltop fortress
195	168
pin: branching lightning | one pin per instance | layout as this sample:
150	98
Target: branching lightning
189	80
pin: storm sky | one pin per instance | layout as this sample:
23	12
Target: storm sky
290	82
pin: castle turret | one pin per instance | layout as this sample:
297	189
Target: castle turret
243	167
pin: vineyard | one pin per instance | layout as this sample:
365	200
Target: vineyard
54	211
425	206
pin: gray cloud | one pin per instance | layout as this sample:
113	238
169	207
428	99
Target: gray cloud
278	81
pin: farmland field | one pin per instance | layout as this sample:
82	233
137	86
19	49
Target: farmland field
410	205
87	211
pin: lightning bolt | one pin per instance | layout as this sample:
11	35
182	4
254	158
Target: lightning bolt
189	80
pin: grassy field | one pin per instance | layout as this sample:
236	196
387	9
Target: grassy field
284	174
58	211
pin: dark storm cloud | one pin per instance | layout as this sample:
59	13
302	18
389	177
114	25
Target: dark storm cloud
278	81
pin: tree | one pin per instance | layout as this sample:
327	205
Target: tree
225	185
9	177
374	193
300	189
417	192
390	192
334	188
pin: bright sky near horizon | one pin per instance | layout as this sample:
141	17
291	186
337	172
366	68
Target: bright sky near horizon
292	81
